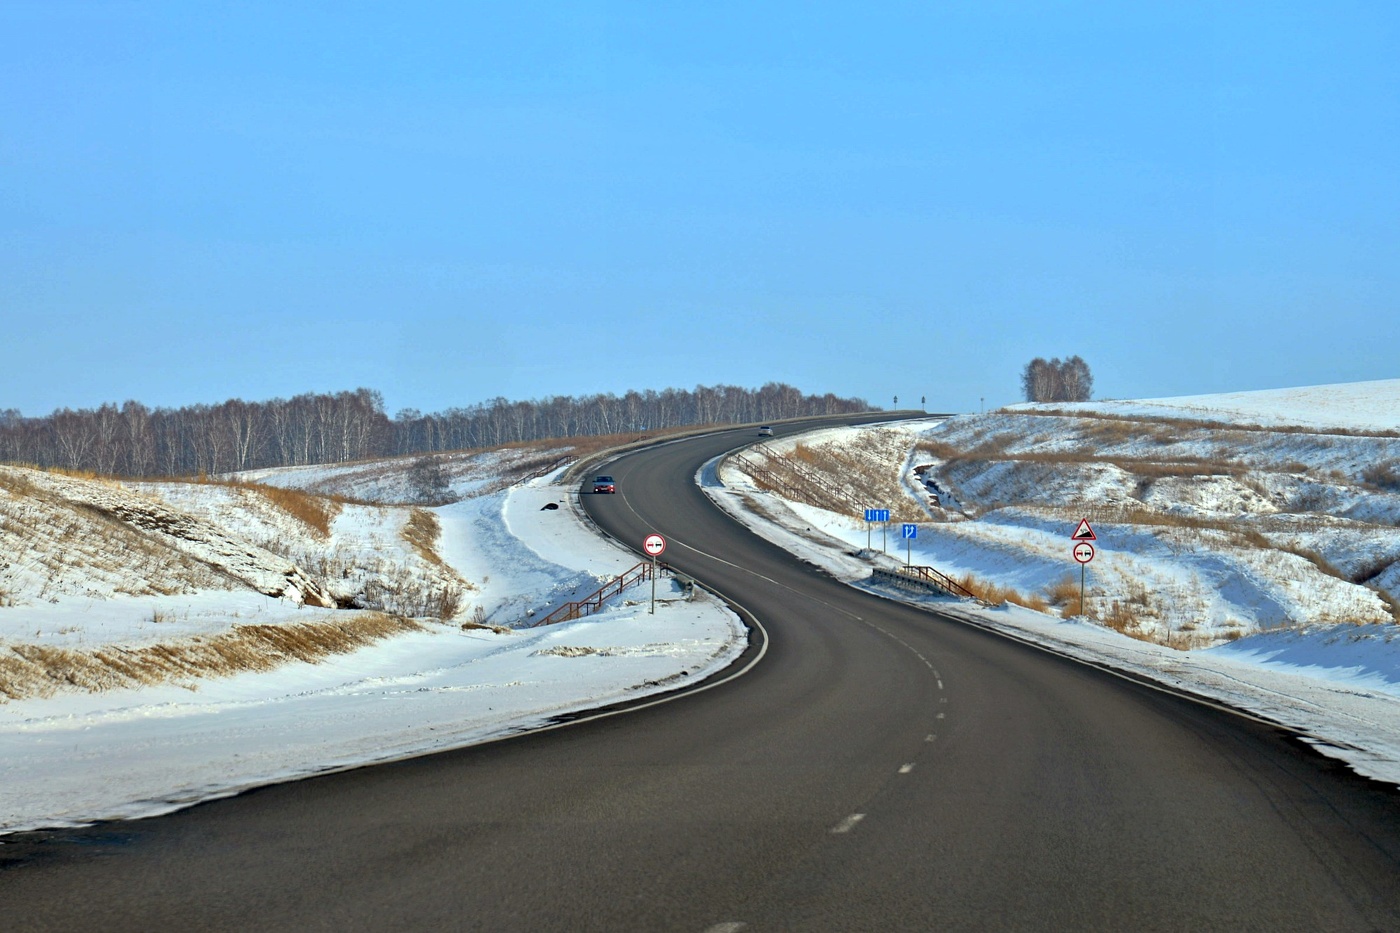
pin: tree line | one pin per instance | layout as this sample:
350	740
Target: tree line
134	440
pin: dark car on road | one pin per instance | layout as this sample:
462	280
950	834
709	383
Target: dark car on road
604	484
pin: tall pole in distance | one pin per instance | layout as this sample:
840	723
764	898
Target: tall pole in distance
653	584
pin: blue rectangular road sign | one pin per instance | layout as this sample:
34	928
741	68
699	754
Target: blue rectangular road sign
909	531
877	515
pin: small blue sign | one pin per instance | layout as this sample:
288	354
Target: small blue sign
877	515
909	531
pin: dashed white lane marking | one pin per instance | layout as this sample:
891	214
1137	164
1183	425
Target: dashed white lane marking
731	927
939	716
940	685
930	737
848	824
906	768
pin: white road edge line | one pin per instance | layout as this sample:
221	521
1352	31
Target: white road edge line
848	824
731	927
906	768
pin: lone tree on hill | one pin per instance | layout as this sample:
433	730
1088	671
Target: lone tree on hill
1057	380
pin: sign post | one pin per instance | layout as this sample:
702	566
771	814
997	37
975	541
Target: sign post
874	515
910	532
1083	552
655	545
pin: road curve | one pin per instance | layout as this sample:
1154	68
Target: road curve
882	768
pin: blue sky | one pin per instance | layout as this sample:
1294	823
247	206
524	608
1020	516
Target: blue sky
451	202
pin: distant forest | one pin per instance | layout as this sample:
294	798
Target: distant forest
133	440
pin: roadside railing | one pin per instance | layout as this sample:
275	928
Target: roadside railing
922	579
594	601
547	469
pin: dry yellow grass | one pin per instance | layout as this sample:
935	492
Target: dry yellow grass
1064	595
316	512
865	474
313	511
995	594
422	531
40	670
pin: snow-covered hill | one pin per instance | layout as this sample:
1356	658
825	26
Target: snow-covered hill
1250	551
159	643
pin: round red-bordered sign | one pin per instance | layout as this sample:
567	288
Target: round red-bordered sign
654	545
1083	552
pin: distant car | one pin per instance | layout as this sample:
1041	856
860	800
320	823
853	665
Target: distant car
604	484
765	431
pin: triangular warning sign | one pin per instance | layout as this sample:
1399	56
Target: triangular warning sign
1083	532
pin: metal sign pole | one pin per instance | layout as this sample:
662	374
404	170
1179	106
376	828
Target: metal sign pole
1081	591
655	545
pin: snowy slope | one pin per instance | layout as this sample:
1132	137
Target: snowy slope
1249	564
1357	406
69	756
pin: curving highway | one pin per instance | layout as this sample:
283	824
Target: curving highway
878	768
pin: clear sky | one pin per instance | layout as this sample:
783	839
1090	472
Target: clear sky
450	202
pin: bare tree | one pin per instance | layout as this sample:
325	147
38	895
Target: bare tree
1077	383
1057	380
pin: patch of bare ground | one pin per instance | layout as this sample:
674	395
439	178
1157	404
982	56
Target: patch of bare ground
28	670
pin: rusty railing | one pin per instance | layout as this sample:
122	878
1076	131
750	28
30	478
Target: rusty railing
923	578
594	601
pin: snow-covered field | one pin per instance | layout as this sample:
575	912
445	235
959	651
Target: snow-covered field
69	756
1256	565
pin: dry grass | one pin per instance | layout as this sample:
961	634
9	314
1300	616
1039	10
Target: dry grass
40	670
994	594
314	511
422	531
1383	475
17	484
1064	595
1183	425
850	478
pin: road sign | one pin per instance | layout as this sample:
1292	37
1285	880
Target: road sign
909	531
1084	532
1084	552
877	515
654	545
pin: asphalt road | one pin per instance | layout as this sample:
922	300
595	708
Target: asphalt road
880	768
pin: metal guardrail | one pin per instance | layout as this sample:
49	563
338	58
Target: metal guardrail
922	579
593	602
